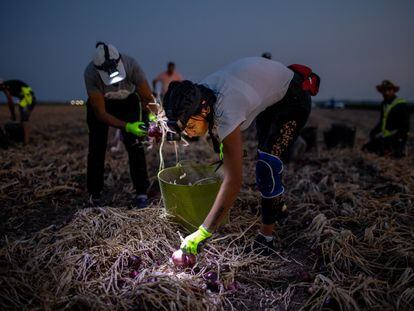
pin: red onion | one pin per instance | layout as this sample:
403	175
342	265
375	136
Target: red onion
304	276
183	260
133	274
212	281
154	131
134	262
210	276
232	287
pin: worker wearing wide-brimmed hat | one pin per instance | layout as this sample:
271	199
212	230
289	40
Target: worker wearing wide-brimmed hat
389	137
118	96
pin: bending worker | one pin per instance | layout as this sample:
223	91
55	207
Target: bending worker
228	101
389	137
118	96
27	102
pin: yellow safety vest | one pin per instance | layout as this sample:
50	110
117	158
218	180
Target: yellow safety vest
387	110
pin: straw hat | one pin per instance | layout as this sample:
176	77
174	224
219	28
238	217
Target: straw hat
387	84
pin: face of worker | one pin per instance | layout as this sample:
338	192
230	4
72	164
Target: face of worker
171	68
388	93
197	125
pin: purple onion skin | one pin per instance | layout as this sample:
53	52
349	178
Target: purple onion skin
133	274
154	131
212	281
210	276
232	287
134	262
304	276
183	260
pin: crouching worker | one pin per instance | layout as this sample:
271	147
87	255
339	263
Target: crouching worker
27	102
389	137
118	96
227	102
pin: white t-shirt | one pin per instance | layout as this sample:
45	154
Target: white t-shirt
245	88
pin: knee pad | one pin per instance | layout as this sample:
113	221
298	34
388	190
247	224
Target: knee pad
269	175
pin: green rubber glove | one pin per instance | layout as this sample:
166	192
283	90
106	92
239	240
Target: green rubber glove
137	128
191	242
152	117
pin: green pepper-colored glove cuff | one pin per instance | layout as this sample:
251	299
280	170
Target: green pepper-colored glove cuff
152	117
136	128
191	243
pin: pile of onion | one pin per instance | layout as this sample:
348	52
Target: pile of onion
183	260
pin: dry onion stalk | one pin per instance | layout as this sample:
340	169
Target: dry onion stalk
162	125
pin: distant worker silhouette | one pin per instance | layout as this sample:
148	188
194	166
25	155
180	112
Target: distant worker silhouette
389	137
166	77
27	102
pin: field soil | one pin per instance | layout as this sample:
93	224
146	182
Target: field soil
344	205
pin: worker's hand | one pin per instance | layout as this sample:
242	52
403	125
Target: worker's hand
152	117
137	128
191	243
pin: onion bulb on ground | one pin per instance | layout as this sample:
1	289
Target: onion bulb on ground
134	262
133	274
212	281
183	260
210	276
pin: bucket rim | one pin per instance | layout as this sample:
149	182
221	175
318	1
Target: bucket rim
180	185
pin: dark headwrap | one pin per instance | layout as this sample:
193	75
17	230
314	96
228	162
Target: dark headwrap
184	99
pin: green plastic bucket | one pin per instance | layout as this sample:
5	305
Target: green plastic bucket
188	193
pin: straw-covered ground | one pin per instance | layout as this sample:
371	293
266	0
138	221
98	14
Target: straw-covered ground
346	244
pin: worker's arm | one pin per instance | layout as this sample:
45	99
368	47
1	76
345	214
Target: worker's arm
97	102
146	97
228	192
10	104
233	167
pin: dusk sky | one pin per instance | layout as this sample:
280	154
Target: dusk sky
352	44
